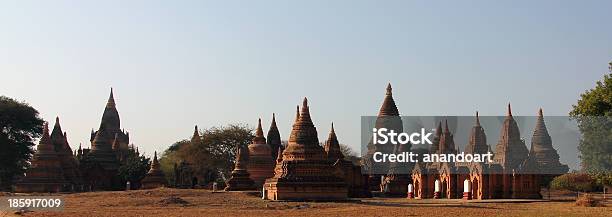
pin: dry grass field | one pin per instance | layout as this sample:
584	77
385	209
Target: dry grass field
179	202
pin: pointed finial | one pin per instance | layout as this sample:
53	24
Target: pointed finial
446	126
56	119
389	89
111	100
259	129
477	119
332	128
273	124
259	136
540	113
305	103
509	110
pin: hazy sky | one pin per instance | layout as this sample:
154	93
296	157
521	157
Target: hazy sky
174	64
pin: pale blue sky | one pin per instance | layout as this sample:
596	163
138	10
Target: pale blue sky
174	64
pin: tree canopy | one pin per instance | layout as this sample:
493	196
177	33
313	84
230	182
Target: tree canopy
593	112
20	125
213	157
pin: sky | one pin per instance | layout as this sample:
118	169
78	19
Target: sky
175	64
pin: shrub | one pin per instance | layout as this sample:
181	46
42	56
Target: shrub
574	182
588	201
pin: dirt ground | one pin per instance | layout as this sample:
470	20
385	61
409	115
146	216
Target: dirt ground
187	202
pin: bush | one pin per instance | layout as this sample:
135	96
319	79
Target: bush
588	201
574	182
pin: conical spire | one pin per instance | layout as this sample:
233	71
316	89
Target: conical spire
541	140
540	114
304	132
332	146
510	150
273	124
305	113
509	110
45	146
259	137
111	100
388	107
446	144
273	138
110	118
446	130
477	143
196	139
57	128
57	137
297	113
542	150
155	161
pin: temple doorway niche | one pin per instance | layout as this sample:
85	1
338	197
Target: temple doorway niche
444	189
417	188
476	188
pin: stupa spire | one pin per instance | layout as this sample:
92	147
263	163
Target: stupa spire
259	137
111	100
509	110
305	113
273	138
542	150
304	132
540	114
195	139
155	161
446	130
477	142
332	146
388	107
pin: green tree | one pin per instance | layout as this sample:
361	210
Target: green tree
134	169
574	182
20	125
169	158
593	112
211	158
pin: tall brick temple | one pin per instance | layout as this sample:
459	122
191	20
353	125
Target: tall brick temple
305	172
45	174
109	148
